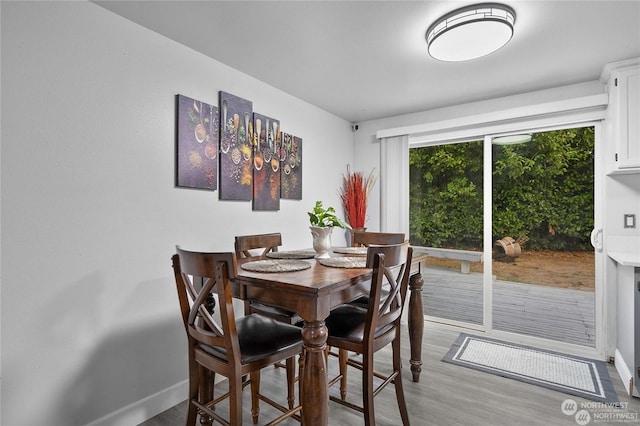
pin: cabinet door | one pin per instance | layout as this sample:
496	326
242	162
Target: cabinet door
628	82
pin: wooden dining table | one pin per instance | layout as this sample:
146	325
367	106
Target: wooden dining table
313	293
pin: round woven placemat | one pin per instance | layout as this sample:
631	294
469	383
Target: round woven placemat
276	265
344	262
295	254
354	251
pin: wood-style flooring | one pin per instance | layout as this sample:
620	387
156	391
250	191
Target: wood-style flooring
446	395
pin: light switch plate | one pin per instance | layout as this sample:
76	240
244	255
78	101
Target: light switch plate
629	220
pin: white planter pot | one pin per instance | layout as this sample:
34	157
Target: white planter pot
321	240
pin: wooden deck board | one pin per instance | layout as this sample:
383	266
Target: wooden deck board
554	313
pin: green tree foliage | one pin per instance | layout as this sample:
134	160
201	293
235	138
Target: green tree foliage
446	195
542	190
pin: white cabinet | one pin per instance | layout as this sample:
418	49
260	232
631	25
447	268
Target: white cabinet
628	99
623	85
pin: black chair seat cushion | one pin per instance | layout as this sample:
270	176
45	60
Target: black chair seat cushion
364	300
273	311
259	337
346	322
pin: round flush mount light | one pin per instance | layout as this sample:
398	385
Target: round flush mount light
471	32
512	139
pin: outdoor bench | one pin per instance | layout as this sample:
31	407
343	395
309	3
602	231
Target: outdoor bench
464	256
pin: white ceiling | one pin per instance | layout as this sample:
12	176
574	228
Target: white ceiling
363	60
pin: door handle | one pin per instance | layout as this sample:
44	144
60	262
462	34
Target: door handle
596	239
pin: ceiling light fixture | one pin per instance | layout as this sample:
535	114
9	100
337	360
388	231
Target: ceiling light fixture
471	32
512	139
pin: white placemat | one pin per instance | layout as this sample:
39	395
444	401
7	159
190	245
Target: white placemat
344	262
294	254
354	251
276	265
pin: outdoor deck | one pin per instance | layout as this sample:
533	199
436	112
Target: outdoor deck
554	313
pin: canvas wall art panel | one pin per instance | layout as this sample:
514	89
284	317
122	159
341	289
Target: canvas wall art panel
266	170
291	167
236	157
197	144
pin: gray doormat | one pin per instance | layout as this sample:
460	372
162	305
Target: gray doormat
583	377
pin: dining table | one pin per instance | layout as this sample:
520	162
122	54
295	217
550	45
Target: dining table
299	282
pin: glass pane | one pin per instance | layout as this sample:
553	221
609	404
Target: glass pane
543	262
446	214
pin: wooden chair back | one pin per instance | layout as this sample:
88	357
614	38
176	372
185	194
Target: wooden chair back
365	239
257	245
391	267
197	276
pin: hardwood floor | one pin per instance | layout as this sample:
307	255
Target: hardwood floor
446	395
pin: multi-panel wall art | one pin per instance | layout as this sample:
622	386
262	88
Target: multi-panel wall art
266	171
291	166
197	144
236	171
246	154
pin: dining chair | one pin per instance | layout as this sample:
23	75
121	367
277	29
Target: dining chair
353	328
364	238
218	342
257	246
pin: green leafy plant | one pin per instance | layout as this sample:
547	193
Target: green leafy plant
325	217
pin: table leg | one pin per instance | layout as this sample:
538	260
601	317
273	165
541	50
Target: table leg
416	324
315	395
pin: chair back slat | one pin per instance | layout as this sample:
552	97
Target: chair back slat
247	245
201	317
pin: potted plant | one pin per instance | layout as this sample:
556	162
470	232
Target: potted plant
354	195
322	223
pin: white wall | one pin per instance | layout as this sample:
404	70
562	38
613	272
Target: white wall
623	197
90	215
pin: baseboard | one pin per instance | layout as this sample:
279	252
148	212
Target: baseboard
624	372
146	408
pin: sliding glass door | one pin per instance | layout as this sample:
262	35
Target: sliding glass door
506	223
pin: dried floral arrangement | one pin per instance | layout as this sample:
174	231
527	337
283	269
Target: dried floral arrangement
354	195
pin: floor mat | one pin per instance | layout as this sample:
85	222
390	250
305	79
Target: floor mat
586	378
